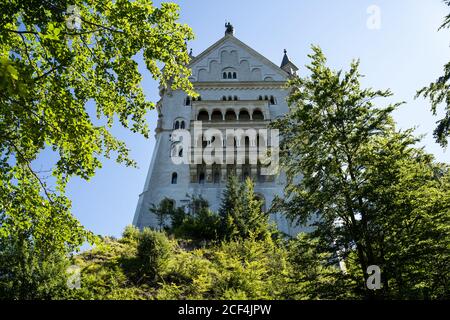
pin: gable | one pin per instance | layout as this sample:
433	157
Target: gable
238	61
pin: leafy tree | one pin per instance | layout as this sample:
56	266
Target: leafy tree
314	273
194	221
255	221
199	222
241	212
36	236
59	70
165	210
27	273
439	93
362	179
231	208
412	235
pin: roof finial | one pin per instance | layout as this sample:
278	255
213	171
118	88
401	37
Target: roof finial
191	56
229	28
285	51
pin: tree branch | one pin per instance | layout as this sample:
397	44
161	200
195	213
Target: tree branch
21	32
27	163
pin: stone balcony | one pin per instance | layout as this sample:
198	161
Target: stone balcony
218	113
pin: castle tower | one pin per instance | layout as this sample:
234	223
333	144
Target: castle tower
239	89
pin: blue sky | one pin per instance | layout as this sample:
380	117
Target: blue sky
404	55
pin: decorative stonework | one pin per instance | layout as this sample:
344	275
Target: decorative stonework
255	76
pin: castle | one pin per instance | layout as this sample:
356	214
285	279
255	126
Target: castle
240	90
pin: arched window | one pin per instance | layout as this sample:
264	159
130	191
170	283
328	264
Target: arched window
260	98
216	116
174	178
179	124
230	115
272	100
244	115
224	98
203	115
257	115
180	153
230	98
235	98
187	101
229	73
199	98
266	98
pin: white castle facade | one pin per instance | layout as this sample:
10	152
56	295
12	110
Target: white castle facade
238	89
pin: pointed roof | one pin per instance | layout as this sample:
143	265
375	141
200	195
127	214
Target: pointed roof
286	63
285	59
236	41
191	55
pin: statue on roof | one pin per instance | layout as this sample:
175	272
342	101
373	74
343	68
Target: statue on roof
229	28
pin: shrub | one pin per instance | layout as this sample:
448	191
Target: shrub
130	234
189	275
250	269
105	272
153	251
